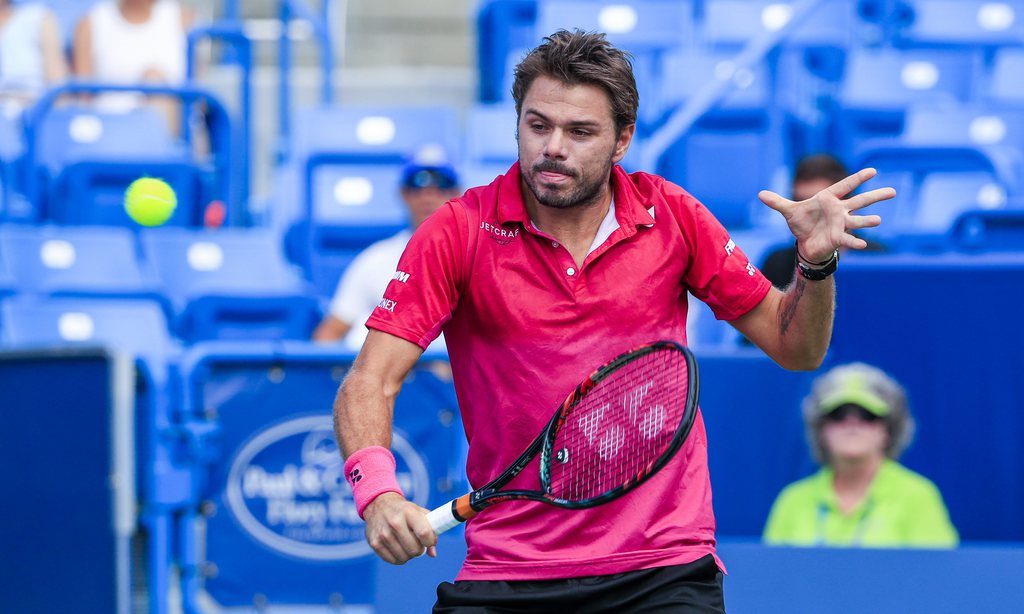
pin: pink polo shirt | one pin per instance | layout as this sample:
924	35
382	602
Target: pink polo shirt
524	325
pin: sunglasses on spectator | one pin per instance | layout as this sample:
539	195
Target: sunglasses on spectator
840	413
429	178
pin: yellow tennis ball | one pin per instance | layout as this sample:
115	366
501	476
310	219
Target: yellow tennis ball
150	201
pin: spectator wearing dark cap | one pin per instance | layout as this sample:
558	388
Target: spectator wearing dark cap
858	423
428	181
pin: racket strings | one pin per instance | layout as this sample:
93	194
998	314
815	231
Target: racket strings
621	427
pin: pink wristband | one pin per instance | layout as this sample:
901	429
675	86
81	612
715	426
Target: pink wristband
371	472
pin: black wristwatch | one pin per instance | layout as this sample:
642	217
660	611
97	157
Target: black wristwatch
818	273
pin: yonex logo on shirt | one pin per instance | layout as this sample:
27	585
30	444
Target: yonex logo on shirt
387	304
401	276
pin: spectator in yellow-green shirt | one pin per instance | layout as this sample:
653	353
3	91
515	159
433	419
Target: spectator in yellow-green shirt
858	423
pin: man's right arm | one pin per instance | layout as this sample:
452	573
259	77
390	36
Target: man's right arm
363	413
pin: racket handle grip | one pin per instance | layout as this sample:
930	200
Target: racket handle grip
444	518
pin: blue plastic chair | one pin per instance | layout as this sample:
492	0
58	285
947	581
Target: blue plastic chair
647	29
880	84
231	284
359	195
975	125
12	148
686	72
922	203
744	125
367	134
78	160
490	134
989	230
944	196
94	261
75	133
504	28
969	23
1005	86
638	27
138	327
7	284
732	24
88	158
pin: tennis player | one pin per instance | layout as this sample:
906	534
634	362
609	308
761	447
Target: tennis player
555	267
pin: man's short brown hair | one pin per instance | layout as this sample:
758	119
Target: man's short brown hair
579	57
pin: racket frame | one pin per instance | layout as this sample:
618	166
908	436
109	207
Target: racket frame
465	507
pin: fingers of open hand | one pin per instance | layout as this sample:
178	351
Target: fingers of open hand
854	222
773	200
400	534
869	198
851	183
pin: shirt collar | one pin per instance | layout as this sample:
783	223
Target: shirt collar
632	207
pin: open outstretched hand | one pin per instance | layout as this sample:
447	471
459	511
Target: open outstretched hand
822	223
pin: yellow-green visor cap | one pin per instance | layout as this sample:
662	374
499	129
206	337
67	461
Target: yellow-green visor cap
854	390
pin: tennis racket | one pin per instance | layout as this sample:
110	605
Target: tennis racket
614	431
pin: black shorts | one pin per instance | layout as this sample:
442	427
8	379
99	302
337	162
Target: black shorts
695	587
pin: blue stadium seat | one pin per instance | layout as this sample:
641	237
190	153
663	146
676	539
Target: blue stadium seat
889	79
74	133
977	125
647	29
687	72
354	206
357	137
84	159
365	134
491	146
638	27
1006	86
992	131
504	29
231	284
12	147
922	174
732	24
744	125
77	261
988	230
138	327
953	157
359	195
490	134
879	84
338	190
948	23
7	284
944	196
803	73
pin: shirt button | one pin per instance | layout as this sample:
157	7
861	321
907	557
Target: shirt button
570	271
554	244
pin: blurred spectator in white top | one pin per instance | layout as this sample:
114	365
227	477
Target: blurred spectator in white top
428	181
134	42
31	55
